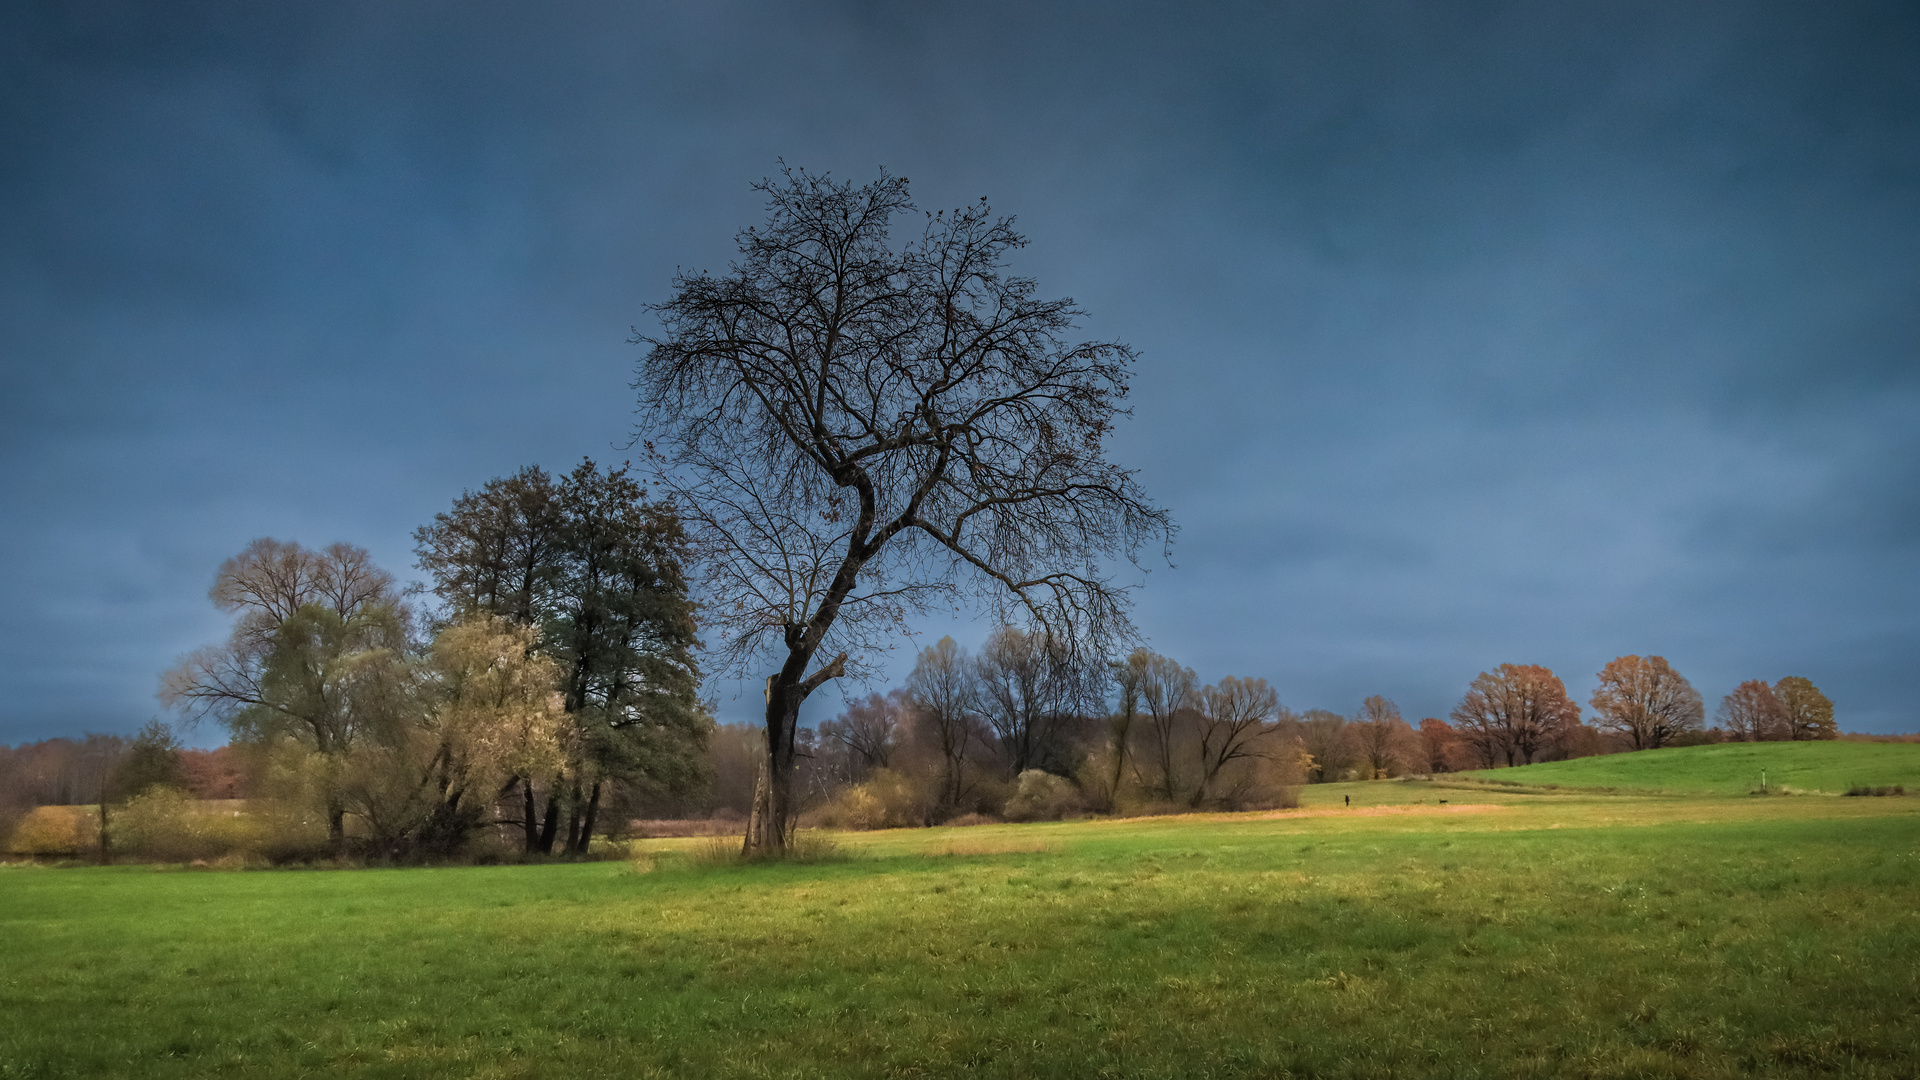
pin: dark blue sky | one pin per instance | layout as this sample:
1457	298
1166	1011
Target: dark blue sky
1471	333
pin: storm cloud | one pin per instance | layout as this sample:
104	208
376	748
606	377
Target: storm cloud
1470	333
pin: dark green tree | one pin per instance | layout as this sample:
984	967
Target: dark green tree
151	759
598	569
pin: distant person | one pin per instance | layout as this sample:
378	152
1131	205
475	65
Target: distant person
1349	800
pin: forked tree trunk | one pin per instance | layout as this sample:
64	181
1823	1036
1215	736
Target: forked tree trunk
593	815
770	825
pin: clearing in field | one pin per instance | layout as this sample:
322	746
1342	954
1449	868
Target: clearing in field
1525	934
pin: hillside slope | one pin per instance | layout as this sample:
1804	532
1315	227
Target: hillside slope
1733	768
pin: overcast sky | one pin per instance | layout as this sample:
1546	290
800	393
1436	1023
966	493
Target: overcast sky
1469	333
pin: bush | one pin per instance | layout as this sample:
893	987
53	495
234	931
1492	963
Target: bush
54	830
1042	796
164	824
1860	789
888	800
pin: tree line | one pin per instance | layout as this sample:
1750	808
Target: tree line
1018	731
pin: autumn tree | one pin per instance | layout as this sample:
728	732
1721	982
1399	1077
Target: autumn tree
1440	746
494	711
1324	738
1751	713
1808	713
1514	712
856	431
1384	743
1644	699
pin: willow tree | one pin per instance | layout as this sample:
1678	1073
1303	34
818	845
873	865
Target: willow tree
856	430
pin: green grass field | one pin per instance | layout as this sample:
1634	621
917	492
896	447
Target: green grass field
1734	768
1502	934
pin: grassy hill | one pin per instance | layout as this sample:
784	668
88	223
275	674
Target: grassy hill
1733	768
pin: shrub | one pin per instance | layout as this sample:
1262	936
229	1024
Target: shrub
1042	796
888	800
1861	789
53	830
165	825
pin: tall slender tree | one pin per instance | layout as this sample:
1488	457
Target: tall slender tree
1167	691
944	687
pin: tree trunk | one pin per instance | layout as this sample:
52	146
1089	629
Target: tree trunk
769	827
593	814
527	821
337	828
552	823
1119	766
573	820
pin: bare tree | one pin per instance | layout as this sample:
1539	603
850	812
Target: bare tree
1128	677
944	686
1234	716
1643	698
855	432
1167	691
1752	714
1029	687
1384	742
869	731
1515	711
1325	739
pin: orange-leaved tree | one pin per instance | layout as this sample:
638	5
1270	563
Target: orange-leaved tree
1643	698
1515	712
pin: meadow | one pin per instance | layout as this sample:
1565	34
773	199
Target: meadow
1504	932
1733	768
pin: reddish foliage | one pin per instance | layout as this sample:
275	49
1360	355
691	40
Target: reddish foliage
223	773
